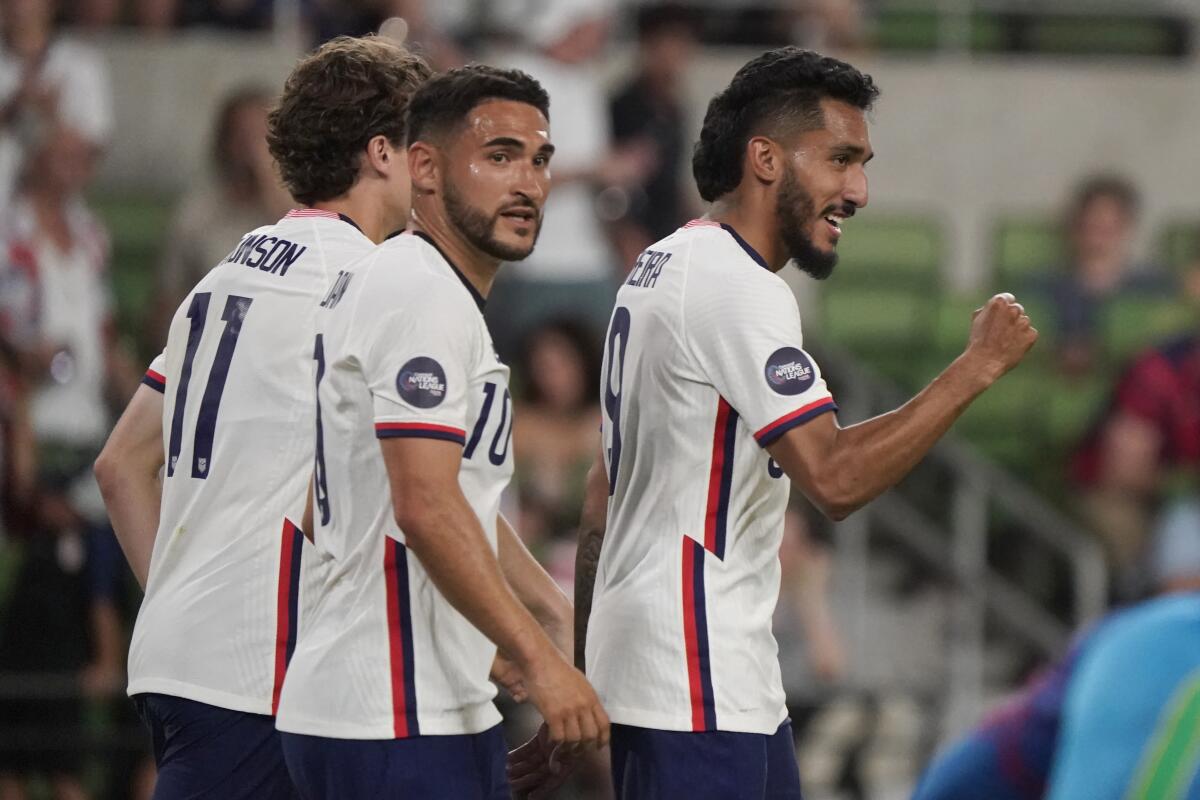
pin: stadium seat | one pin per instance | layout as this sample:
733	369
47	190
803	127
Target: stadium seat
1025	247
137	225
1179	244
1133	323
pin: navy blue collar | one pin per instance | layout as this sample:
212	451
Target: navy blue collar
479	299
351	222
750	251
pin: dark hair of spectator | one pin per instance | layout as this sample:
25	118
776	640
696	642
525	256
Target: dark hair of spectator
666	18
580	338
445	100
779	92
335	101
1104	187
223	131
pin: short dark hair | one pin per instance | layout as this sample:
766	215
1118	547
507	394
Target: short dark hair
1104	186
445	100
786	84
349	91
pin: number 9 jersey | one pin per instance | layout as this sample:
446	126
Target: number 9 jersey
220	615
703	368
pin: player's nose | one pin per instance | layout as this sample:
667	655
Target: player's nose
855	190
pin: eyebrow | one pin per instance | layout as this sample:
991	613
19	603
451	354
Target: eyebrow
508	141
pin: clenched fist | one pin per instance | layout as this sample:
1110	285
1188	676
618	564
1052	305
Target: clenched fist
1001	335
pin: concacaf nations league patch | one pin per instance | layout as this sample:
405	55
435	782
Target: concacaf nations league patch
788	371
422	382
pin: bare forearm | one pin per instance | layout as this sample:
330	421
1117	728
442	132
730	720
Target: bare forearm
871	457
587	559
449	541
592	524
133	500
534	587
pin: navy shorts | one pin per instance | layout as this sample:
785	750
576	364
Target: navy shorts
651	764
462	767
203	751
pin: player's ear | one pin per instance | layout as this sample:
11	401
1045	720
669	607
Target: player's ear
764	158
382	155
423	166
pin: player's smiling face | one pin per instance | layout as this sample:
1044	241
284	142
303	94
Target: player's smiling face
825	184
497	177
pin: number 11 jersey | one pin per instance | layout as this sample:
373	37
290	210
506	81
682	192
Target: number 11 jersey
220	616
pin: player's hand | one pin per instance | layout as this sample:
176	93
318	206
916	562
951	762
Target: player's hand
567	701
1001	335
538	767
508	675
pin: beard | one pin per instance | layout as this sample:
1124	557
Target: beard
795	213
479	229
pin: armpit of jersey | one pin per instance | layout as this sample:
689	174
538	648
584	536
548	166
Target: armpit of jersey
769	433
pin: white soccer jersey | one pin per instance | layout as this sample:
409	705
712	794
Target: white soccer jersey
221	611
703	367
403	352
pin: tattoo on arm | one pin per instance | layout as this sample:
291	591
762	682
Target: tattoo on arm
587	557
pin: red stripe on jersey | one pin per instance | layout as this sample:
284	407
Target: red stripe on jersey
786	418
286	599
702	223
718	491
419	426
691	640
156	376
311	212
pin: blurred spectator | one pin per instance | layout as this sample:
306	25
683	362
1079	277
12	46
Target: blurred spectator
1150	432
62	618
427	28
556	419
243	15
244	193
46	78
650	109
1100	227
573	270
838	25
811	652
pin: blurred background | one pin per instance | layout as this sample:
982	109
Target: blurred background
1046	149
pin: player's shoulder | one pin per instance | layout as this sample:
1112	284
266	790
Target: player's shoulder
717	253
408	268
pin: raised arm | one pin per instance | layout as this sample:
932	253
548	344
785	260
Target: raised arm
841	469
592	524
443	532
128	473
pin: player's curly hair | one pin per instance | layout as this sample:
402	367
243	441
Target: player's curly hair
780	86
444	101
349	91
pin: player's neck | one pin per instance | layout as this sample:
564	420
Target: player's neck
476	266
754	224
369	215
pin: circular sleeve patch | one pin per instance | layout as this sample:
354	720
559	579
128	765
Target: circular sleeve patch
789	371
422	382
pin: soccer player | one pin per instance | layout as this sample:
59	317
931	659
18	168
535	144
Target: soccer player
387	691
229	408
710	401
